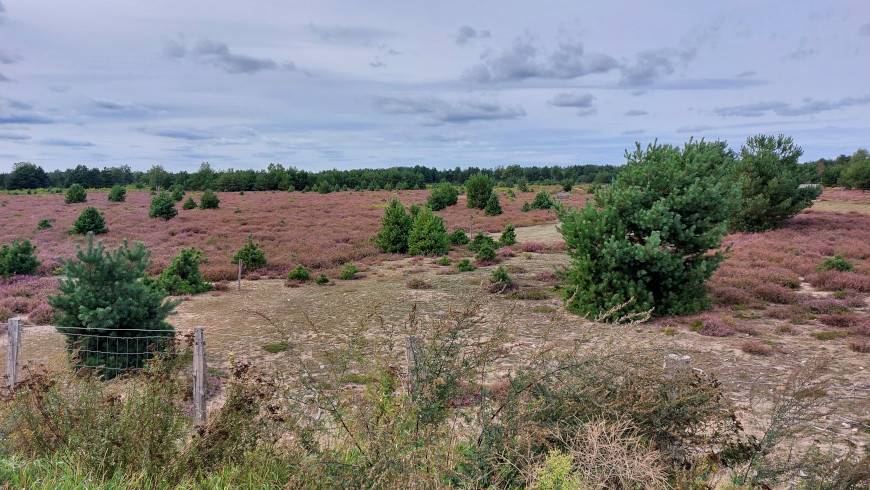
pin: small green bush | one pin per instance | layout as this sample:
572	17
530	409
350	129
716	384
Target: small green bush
542	201
428	235
276	348
480	240
18	258
76	193
443	195
567	185
443	261
117	194
493	206
486	254
189	204
836	262
177	192
321	279
349	272
250	255
508	236
395	228
526	207
464	265
299	274
163	206
90	221
43	224
183	276
459	237
523	185
478	188
209	200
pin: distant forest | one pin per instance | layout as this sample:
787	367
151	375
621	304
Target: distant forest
276	177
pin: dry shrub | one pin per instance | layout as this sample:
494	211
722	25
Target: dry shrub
417	283
712	326
756	347
215	273
781	312
824	305
775	293
861	345
547	276
536	247
19	305
5	314
42	315
746	328
834	280
221	286
841	321
729	295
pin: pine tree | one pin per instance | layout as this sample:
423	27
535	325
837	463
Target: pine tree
18	259
493	206
250	255
76	193
183	276
478	188
163	206
189	204
111	317
209	200
395	228
117	194
90	221
508	236
428	235
443	195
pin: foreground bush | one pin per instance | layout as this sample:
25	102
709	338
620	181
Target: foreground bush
111	317
209	200
19	258
183	276
90	221
76	193
299	274
442	196
395	228
250	255
428	235
163	206
647	239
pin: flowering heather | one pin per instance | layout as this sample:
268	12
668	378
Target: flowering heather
713	326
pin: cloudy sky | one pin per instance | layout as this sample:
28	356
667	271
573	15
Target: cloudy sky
344	84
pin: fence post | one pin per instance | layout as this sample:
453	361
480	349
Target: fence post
199	375
12	350
240	274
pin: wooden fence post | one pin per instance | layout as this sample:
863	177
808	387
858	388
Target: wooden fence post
240	274
12	351
199	375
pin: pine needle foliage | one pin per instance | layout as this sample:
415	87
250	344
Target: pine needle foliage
209	200
19	258
76	193
395	228
117	194
90	221
163	206
493	206
478	188
442	196
250	255
649	238
428	235
183	275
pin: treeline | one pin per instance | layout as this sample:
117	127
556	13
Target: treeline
26	175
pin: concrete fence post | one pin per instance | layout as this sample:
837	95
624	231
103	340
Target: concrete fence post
199	375
13	349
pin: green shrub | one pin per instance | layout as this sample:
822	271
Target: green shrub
486	254
250	255
567	184
443	195
183	276
523	185
414	210
510	194
163	206
209	200
526	207
459	237
19	258
493	206
465	265
76	193
89	221
647	239
480	240
500	275
117	194
542	201
103	300
395	228
43	224
443	261
478	188
321	279
177	192
856	175
428	235
836	262
508	236
189	204
299	274
349	272
769	176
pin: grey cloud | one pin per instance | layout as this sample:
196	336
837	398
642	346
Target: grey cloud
803	51
439	111
14	136
65	142
59	88
218	54
109	105
179	133
348	34
17	104
808	107
635	112
467	33
865	29
8	59
573	100
745	74
651	65
694	129
3	78
2	8
377	64
24	118
174	49
634	131
521	62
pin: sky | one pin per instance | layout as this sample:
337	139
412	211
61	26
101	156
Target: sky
382	83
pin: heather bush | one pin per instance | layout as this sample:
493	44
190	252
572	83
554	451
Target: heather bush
768	174
209	200
508	236
90	221
428	235
395	228
459	237
775	293
117	194
104	299
836	262
250	255
647	239
478	189
349	272
755	347
42	315
834	280
19	258
442	196
189	204
76	193
43	224
493	206
183	276
299	274
712	326
163	206
417	283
